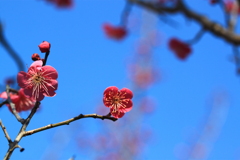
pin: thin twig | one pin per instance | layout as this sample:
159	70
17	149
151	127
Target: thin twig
21	133
233	17
169	21
237	59
196	38
4	102
10	50
226	15
45	58
67	122
125	13
5	132
33	111
213	27
13	90
12	105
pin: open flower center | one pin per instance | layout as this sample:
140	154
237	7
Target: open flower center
117	103
37	78
116	100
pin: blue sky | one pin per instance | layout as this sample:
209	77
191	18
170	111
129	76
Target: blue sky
88	62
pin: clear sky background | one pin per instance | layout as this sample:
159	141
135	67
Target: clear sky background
88	62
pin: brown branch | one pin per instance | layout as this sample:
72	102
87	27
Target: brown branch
21	133
196	38
33	111
233	17
45	58
67	122
12	105
236	59
10	50
226	15
5	132
213	27
125	13
4	102
13	90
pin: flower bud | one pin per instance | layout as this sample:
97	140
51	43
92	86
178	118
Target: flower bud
44	46
35	57
114	32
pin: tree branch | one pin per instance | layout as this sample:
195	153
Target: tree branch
45	58
213	27
125	13
21	133
196	38
10	50
12	105
67	122
4	102
5	132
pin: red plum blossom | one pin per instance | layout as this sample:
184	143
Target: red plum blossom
119	101
22	102
39	81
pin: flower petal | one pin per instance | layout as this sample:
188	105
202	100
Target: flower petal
53	84
109	93
22	78
50	93
112	90
127	105
50	86
126	93
38	63
117	114
49	71
3	95
107	102
40	97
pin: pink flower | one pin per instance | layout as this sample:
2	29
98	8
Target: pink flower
22	102
39	81
181	50
117	33
119	101
44	46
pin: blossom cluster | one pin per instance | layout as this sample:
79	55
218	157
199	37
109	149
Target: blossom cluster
41	81
38	82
